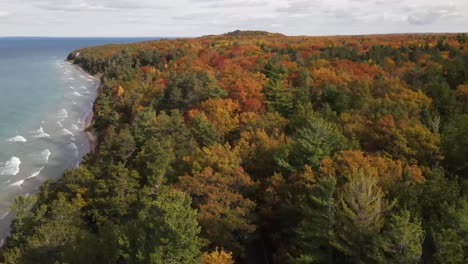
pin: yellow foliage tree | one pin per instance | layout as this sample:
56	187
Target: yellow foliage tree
217	257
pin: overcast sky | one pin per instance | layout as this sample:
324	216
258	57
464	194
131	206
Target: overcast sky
202	17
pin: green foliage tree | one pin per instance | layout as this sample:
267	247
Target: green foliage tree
166	231
318	219
154	161
315	140
359	215
449	247
455	145
144	125
117	146
400	241
204	132
187	89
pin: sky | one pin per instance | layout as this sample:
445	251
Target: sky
189	18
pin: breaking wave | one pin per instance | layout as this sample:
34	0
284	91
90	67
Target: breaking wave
10	167
39	133
34	174
45	155
17	139
62	114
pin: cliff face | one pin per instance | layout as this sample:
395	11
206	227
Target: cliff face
73	55
287	147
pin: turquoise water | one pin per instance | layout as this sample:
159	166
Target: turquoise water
44	102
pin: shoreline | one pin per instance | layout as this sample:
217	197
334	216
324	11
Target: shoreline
87	128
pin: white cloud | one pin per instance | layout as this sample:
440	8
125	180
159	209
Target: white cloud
200	17
4	14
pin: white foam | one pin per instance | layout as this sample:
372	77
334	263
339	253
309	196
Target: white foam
5	214
62	114
17	139
71	87
71	78
39	133
18	183
74	148
75	127
60	124
45	155
67	132
10	167
34	174
77	94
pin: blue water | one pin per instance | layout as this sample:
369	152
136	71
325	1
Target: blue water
44	102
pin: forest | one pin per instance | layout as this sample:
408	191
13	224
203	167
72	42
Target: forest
254	147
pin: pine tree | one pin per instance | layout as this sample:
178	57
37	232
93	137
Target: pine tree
154	161
317	223
359	216
166	232
315	140
401	240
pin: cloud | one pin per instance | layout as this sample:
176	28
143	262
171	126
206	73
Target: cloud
95	5
231	4
194	16
202	17
421	16
298	7
4	14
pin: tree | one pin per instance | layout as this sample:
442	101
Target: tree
314	141
21	206
117	146
204	132
278	98
154	161
166	231
57	236
171	126
317	224
449	247
222	114
455	145
224	212
217	257
360	210
400	241
144	125
114	194
186	89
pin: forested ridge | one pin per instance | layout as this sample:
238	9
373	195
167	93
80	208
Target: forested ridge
252	147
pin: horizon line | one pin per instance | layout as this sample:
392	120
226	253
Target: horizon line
216	34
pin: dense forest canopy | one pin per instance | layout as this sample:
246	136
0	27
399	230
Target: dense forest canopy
252	147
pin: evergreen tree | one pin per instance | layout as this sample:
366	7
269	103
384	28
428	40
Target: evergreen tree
315	140
154	161
359	216
316	226
166	232
400	241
